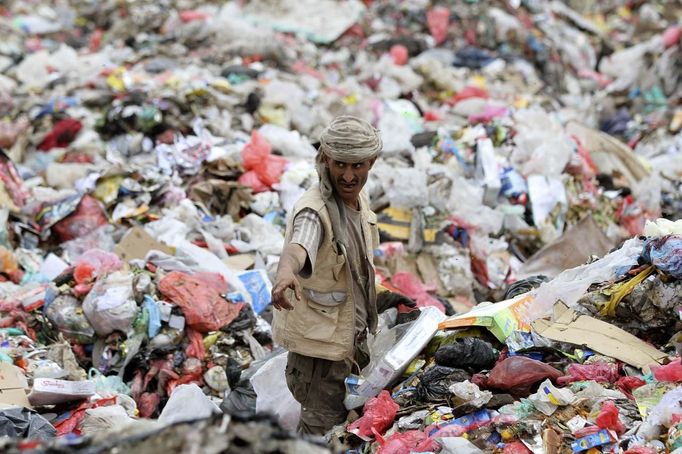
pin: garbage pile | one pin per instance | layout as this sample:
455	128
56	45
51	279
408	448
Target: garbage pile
151	152
599	372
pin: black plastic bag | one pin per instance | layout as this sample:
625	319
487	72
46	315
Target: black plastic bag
466	353
435	381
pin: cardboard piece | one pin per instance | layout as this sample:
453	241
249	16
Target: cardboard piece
12	387
572	249
604	338
240	261
501	319
137	243
49	391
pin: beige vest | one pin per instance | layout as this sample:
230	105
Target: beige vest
322	324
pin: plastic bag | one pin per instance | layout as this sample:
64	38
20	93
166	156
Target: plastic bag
378	415
256	156
62	134
549	398
599	372
434	383
25	423
469	352
671	372
665	253
110	305
203	306
102	420
88	217
457	445
608	418
407	442
289	143
628	384
438	19
517	374
94	263
273	395
570	285
411	286
66	314
470	394
186	403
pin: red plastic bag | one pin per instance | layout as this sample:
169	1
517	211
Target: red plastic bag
628	384
62	134
204	308
88	217
671	372
407	442
469	92
255	151
195	348
438	19
599	372
517	374
378	415
608	418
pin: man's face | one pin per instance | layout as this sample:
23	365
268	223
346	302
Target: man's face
348	179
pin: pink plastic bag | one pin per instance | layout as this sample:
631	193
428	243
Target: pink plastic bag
94	263
257	157
409	285
407	442
438	19
517	374
671	372
599	372
399	54
378	415
608	418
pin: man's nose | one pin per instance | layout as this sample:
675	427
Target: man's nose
347	176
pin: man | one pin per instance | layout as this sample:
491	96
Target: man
324	291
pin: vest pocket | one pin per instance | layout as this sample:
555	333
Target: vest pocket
316	321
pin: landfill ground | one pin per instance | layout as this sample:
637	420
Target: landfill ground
528	194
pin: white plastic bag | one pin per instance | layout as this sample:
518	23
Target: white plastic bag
273	395
549	398
572	284
186	403
110	305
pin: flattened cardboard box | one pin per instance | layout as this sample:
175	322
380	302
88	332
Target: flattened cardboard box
605	338
137	242
11	387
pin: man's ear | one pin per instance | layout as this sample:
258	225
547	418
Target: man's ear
372	161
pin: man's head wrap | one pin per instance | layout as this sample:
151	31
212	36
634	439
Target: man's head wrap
346	139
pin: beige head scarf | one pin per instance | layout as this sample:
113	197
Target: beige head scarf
346	139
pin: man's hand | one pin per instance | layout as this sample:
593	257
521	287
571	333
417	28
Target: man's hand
386	300
279	299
